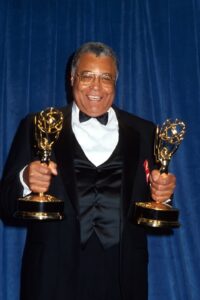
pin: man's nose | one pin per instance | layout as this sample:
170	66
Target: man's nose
96	82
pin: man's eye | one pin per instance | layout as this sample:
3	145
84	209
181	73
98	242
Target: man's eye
86	77
107	78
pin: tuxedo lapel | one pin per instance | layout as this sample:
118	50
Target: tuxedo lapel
130	145
64	157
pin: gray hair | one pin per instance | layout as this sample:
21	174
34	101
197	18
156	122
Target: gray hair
96	48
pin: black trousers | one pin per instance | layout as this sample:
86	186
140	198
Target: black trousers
99	272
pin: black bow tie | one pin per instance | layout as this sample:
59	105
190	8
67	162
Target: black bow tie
103	119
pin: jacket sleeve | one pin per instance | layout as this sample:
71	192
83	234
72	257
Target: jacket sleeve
21	153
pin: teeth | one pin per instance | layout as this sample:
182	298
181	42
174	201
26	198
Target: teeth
94	98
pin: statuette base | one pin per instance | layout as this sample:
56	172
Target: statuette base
40	207
155	214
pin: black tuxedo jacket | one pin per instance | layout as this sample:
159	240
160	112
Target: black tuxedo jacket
51	255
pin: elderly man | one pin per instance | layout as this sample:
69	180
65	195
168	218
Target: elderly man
96	252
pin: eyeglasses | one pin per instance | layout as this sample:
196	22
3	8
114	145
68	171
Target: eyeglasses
88	77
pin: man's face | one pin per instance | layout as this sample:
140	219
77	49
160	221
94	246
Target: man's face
94	84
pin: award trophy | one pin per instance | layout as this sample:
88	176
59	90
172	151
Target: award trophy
167	141
48	125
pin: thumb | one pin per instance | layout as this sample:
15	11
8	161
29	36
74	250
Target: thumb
53	167
155	174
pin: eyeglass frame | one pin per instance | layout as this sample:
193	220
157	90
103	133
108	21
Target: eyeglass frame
95	75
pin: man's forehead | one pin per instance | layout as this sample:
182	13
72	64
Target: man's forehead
92	60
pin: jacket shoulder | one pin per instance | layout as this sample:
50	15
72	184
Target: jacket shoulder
134	121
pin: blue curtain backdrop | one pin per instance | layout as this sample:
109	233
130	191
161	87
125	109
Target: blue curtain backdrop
158	44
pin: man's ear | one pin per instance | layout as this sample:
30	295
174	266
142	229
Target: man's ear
72	80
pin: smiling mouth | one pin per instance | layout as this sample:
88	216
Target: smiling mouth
94	98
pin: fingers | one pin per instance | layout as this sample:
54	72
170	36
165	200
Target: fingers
162	185
38	176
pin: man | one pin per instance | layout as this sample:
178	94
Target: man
96	252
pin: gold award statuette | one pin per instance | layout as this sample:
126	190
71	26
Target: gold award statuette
48	125
167	141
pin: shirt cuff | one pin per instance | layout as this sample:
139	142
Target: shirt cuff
26	189
167	202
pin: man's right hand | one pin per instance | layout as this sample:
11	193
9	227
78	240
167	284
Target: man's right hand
38	176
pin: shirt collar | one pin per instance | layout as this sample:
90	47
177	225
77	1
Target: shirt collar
75	112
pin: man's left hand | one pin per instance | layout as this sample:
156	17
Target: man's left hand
162	185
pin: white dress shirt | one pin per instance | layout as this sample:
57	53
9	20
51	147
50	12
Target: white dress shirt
98	141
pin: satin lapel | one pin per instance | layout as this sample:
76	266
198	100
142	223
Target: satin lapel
130	144
64	157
